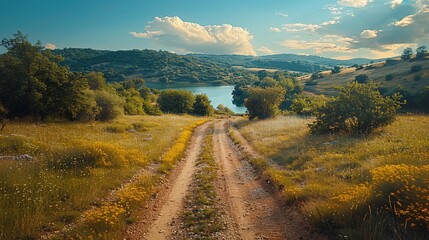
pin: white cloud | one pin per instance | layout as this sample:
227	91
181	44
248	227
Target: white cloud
395	3
354	3
408	20
266	51
275	29
369	33
147	34
282	14
193	37
50	46
328	43
297	27
333	9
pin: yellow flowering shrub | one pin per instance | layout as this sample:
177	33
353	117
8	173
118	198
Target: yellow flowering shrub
406	188
106	215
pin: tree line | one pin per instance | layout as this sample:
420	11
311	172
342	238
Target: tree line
34	84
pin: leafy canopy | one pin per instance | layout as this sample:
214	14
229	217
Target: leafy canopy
358	108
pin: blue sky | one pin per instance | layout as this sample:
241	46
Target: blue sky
332	28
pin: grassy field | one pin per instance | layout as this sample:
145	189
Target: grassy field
400	71
359	187
76	166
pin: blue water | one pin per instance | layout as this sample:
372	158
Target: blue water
217	94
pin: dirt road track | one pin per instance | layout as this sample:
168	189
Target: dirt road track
255	211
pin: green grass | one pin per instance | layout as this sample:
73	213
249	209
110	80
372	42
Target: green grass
342	181
75	167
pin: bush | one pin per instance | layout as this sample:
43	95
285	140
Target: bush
416	68
202	106
336	69
176	101
264	102
358	108
110	106
362	78
222	109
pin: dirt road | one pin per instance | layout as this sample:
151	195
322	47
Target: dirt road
255	211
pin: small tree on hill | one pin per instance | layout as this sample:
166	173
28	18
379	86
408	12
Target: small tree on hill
421	52
264	102
362	78
336	69
406	54
202	106
358	108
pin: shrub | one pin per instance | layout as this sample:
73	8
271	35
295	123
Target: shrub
336	69
110	106
362	78
202	106
358	108
222	109
312	83
88	154
264	102
416	68
176	101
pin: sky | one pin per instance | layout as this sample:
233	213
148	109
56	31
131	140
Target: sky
340	29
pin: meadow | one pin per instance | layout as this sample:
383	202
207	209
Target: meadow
371	186
91	173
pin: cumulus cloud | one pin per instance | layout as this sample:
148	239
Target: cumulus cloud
275	29
265	51
193	37
50	46
395	3
369	33
334	9
408	20
354	3
328	43
298	27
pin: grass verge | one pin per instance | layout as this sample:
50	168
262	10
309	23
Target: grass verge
201	216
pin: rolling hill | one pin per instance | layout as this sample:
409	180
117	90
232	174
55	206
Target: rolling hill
165	66
389	75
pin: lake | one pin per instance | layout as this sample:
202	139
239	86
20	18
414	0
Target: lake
217	94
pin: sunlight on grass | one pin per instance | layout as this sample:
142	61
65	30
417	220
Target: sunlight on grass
360	186
74	167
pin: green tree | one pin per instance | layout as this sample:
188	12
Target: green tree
262	74
110	106
202	106
239	94
362	78
264	102
176	101
96	80
336	69
33	83
222	109
421	52
358	108
406	54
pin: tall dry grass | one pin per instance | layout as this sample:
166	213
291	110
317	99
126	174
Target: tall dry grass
363	187
74	167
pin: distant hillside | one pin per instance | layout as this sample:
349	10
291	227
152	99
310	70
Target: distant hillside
288	62
389	75
149	64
